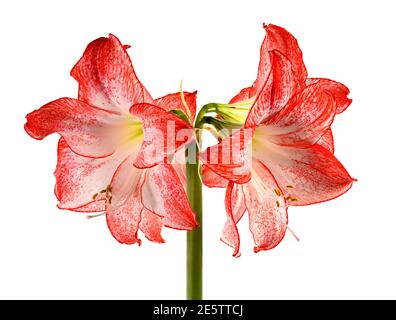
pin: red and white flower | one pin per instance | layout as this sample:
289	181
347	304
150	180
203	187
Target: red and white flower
114	145
283	154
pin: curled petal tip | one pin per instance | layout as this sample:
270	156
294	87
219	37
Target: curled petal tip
237	255
265	26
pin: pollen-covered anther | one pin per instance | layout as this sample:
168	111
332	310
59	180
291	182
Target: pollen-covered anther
109	195
289	186
277	203
107	192
291	198
277	192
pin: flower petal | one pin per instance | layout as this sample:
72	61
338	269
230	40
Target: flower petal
279	39
99	205
235	208
276	91
212	179
261	104
337	90
151	226
267	209
304	120
327	141
173	102
164	195
164	134
306	175
231	158
123	212
106	76
243	95
79	180
125	181
123	220
178	161
87	130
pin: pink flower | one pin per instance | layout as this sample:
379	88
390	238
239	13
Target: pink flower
283	154
114	145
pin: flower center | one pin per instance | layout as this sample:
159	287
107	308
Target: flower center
131	131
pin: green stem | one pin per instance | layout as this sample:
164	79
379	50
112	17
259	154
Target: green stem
194	238
194	193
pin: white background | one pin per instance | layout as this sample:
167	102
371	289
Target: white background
347	247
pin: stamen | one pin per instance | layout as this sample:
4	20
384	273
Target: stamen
291	198
277	192
111	198
184	100
289	186
95	215
277	203
294	235
95	196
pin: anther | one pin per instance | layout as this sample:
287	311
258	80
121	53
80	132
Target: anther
277	192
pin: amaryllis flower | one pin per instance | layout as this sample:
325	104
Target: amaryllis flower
283	154
115	139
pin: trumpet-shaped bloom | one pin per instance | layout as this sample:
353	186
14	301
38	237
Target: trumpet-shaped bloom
115	140
283	153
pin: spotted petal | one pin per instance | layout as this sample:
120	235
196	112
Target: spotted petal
123	220
235	208
79	180
164	134
123	212
231	158
304	120
306	175
89	131
173	102
337	90
106	77
212	180
327	141
151	226
164	195
267	209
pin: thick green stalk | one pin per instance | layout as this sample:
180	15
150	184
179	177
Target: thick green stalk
194	238
194	193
